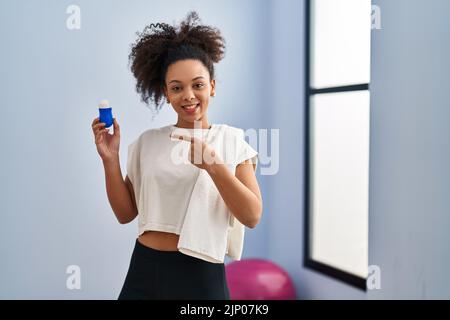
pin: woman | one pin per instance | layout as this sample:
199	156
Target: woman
176	64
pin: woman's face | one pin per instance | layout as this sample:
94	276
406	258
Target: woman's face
188	84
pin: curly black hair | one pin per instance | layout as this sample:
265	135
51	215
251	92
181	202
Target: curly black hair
160	45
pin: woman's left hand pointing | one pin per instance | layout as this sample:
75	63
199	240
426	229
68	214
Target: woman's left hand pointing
200	155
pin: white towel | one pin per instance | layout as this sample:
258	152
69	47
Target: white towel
209	230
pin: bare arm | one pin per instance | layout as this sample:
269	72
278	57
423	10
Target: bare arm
120	192
240	192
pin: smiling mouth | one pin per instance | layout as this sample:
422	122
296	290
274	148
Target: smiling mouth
191	109
191	106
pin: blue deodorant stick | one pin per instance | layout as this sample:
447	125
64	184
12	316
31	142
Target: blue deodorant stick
105	113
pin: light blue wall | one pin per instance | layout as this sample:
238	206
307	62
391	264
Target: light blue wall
54	207
410	150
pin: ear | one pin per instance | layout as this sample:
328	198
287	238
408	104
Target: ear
213	87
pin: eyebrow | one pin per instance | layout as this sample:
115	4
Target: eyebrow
192	79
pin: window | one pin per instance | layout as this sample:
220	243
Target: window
337	138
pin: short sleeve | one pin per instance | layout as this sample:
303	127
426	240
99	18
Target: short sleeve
133	163
245	151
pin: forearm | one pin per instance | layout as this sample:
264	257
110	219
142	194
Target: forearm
118	195
242	202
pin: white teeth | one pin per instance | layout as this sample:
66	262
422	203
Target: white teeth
190	107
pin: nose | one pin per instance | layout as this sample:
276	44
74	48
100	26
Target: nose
188	95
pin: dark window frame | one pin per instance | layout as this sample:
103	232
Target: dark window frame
308	262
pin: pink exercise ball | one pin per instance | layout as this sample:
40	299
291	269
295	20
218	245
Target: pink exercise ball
258	279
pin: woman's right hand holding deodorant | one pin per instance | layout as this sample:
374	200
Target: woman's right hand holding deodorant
120	192
107	144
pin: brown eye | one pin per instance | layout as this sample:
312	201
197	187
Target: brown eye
199	85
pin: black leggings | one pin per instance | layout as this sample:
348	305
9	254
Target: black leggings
155	274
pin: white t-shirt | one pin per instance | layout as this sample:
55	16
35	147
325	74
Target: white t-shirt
163	178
